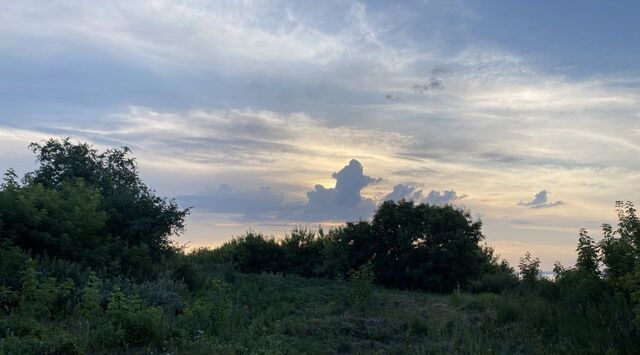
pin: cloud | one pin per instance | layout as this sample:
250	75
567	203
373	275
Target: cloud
404	192
235	35
540	200
260	204
431	85
349	183
442	198
345	201
238	138
339	203
411	193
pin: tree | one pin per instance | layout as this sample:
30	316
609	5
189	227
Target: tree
425	246
587	254
347	248
136	215
90	207
620	249
529	269
255	253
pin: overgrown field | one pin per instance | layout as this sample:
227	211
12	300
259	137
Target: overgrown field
225	312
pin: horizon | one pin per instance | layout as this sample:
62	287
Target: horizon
267	115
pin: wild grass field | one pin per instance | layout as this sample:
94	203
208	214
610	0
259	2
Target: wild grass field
232	313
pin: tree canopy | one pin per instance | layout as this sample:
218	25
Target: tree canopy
87	206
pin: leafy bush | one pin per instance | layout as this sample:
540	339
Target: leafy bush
140	325
164	293
360	286
498	282
255	253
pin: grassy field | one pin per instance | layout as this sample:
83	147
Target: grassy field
277	314
227	312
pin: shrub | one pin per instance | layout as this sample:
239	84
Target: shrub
496	282
361	286
140	325
255	253
164	293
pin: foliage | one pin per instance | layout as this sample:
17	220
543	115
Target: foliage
361	286
254	253
529	269
587	254
79	200
409	246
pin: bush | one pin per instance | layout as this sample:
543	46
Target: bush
361	286
141	325
163	293
255	253
498	282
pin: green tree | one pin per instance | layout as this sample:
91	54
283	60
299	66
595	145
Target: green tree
90	207
254	253
529	269
620	248
425	246
136	215
587	254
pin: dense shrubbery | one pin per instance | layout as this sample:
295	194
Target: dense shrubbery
409	246
87	266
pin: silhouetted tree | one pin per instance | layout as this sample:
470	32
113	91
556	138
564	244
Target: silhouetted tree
587	254
425	246
529	269
619	248
87	206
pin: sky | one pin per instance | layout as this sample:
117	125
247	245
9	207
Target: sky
268	114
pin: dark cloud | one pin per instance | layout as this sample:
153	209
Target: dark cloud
404	192
440	71
541	200
432	84
411	193
442	198
391	97
349	183
342	202
345	200
259	204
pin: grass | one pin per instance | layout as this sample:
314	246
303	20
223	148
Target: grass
233	313
288	314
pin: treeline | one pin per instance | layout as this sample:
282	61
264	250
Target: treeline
88	265
409	246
